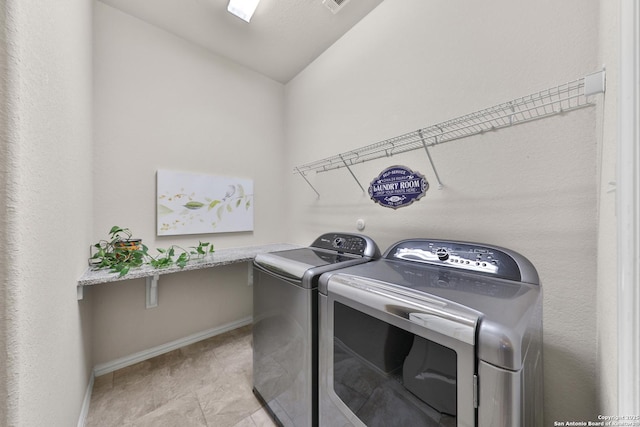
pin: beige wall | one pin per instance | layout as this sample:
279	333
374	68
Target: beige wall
532	188
164	103
46	210
192	302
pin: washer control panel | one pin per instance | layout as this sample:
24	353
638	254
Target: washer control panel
347	243
472	257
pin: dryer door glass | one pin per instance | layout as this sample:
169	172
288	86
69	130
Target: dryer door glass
388	376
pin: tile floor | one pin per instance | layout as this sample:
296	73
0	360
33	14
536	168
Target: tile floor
206	384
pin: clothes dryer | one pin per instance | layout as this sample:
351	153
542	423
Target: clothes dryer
435	333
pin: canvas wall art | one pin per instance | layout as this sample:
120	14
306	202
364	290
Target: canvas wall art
191	203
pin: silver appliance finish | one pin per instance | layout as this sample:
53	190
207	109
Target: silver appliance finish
482	302
285	329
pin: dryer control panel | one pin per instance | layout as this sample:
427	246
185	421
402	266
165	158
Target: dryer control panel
354	244
477	258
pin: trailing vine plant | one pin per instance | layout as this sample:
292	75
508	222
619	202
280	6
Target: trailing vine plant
120	253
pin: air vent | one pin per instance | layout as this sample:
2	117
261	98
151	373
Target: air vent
335	5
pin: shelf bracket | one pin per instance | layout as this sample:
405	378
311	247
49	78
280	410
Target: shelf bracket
433	166
305	178
152	290
351	172
80	292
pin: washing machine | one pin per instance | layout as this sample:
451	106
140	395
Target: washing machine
285	322
434	333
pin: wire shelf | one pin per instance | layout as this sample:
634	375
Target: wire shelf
563	98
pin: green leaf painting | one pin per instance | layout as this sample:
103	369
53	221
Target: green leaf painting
192	203
163	210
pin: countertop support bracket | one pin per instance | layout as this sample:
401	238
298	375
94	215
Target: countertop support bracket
152	290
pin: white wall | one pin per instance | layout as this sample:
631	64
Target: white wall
46	217
4	232
163	103
409	64
532	188
607	348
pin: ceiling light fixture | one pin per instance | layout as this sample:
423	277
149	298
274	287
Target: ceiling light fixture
334	5
243	9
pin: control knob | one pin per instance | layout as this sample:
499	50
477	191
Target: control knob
442	254
338	242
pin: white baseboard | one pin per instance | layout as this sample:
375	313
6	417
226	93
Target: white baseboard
84	411
123	362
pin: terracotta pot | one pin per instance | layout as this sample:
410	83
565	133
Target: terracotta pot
128	245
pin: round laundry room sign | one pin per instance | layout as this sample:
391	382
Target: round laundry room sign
397	186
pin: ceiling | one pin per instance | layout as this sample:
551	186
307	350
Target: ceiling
284	36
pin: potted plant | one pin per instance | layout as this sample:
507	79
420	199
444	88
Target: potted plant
121	252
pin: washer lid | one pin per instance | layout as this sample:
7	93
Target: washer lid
326	251
294	263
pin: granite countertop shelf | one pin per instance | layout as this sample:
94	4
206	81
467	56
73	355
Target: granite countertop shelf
218	258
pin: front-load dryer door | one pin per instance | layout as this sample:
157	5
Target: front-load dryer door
392	357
